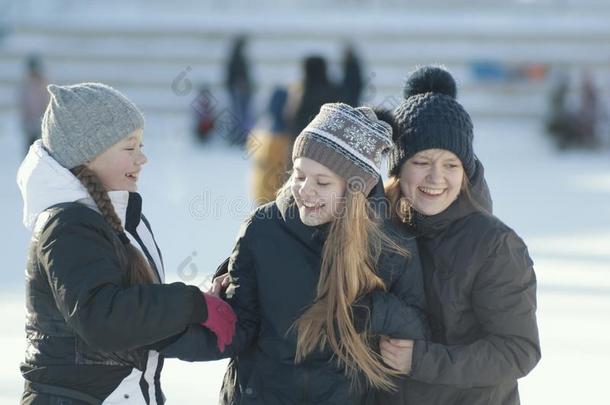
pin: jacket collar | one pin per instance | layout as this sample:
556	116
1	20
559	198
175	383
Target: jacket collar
43	182
311	236
127	205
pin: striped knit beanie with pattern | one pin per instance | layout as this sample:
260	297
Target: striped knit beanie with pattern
431	118
349	141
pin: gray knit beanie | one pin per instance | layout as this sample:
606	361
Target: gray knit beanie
83	120
349	141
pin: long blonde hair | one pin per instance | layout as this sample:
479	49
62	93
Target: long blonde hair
394	194
349	258
139	270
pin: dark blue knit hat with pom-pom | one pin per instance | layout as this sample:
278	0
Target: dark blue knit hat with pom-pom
431	118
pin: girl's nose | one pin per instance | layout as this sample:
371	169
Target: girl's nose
142	159
435	174
306	188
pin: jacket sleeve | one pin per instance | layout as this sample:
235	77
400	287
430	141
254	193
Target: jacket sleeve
87	283
504	303
196	343
199	344
399	312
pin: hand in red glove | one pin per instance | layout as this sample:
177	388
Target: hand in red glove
221	320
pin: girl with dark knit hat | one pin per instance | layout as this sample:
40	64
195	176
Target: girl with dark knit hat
96	305
316	275
478	276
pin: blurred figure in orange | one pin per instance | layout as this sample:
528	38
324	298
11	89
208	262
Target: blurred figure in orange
33	99
269	146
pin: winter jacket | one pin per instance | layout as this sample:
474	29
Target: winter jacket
274	272
86	328
481	291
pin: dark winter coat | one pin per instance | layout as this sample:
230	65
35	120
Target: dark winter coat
86	328
274	270
481	291
87	331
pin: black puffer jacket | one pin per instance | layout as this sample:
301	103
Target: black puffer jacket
274	269
86	327
481	291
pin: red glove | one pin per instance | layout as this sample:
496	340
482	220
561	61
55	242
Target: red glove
221	320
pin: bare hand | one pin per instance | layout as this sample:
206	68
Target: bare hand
218	284
397	353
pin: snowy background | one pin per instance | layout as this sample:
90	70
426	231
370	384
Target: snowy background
197	195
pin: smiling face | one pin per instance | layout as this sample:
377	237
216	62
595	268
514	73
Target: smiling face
118	167
317	190
432	180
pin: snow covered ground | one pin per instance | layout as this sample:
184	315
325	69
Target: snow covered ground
196	196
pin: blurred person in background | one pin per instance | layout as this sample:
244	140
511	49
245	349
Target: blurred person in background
561	120
478	277
306	97
239	87
575	120
33	99
203	114
269	149
590	111
352	84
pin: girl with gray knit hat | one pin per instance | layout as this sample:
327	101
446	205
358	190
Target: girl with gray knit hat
96	305
479	279
317	275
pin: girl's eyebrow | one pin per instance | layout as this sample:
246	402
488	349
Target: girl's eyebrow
314	174
449	159
131	138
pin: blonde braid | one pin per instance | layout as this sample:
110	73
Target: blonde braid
139	270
